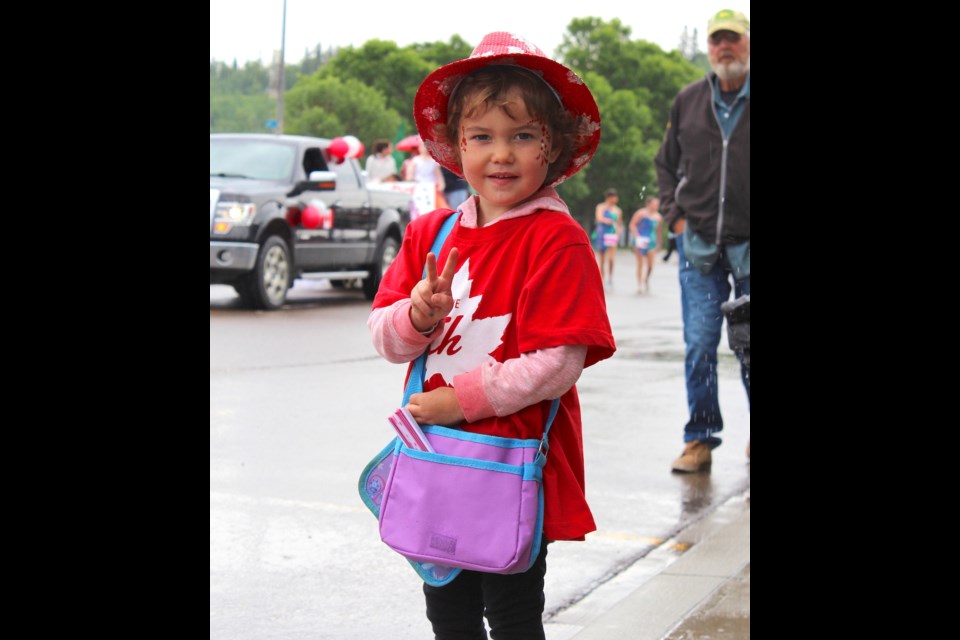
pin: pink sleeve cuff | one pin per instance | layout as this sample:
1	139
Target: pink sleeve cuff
394	336
473	401
406	332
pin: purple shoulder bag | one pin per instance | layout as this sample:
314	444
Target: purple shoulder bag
475	503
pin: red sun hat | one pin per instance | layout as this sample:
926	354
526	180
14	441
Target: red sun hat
501	48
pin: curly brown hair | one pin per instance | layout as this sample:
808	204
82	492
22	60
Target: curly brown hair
491	87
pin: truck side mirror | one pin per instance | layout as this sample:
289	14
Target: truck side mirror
318	181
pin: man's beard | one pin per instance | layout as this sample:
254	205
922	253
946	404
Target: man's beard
731	70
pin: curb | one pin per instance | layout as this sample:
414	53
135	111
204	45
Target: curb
684	596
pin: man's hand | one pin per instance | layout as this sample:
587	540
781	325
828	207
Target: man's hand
431	299
439	406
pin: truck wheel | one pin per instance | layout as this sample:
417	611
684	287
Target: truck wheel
266	286
386	254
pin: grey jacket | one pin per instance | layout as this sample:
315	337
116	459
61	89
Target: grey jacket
700	176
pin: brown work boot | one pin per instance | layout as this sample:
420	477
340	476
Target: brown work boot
695	456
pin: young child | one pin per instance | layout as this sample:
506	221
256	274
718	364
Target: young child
645	226
512	309
609	220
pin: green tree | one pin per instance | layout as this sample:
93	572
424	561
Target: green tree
642	67
238	98
315	58
624	159
701	61
396	73
330	107
634	83
241	114
249	80
437	54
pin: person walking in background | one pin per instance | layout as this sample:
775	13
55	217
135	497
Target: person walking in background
708	136
380	164
512	309
645	226
609	227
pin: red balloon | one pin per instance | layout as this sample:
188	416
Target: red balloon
310	217
339	147
293	216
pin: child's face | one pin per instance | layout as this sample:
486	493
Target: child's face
505	159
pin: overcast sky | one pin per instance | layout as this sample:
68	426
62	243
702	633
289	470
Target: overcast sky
248	30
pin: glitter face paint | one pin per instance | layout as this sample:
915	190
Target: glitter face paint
505	159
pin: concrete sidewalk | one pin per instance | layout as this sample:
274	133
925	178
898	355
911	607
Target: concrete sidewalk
696	585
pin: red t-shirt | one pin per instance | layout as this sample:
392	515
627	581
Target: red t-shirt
522	284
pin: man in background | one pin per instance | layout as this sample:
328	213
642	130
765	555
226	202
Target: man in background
703	174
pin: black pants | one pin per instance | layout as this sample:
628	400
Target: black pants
513	604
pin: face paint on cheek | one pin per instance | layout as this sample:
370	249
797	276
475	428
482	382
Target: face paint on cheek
463	140
545	143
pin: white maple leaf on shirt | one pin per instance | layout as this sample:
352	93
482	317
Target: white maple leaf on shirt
466	343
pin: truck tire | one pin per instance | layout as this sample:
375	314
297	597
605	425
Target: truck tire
266	286
386	254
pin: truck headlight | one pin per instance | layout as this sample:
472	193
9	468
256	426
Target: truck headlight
236	212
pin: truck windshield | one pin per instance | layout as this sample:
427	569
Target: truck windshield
254	159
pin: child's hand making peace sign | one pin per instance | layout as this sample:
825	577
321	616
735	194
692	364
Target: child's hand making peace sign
431	300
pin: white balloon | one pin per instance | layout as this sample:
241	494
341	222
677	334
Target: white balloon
354	146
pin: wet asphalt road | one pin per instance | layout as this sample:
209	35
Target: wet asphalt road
298	406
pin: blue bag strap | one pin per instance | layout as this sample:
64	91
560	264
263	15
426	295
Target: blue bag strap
544	445
415	381
442	236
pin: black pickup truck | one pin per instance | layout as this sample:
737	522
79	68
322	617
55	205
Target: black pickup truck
261	236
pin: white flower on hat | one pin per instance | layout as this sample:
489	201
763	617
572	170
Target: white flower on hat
587	127
448	84
441	152
431	113
528	47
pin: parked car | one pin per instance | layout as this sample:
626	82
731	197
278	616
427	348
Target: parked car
281	208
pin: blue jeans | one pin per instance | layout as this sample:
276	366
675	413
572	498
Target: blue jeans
700	298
